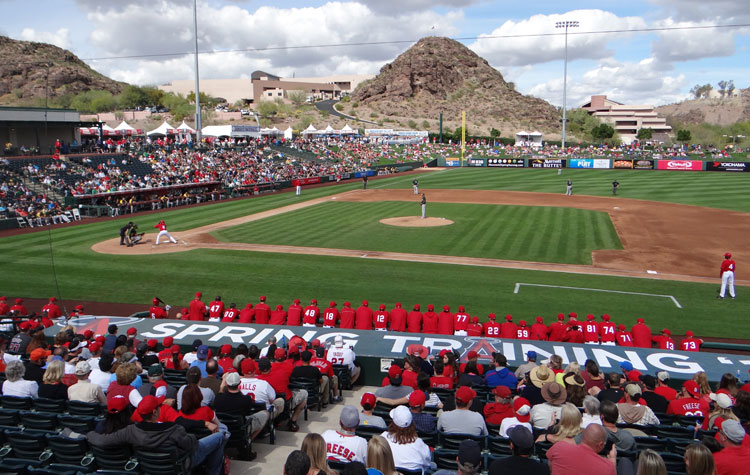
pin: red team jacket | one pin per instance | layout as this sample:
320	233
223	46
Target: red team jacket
641	335
398	318
445	323
294	314
330	316
492	329
363	320
414	320
230	314
429	321
348	316
262	313
247	314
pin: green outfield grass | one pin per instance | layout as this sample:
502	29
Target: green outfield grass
27	269
526	233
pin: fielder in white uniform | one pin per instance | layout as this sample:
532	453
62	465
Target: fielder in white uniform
343	445
162	227
727	276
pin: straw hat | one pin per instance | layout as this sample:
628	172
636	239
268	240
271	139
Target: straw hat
540	375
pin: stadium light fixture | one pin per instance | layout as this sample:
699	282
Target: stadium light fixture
565	24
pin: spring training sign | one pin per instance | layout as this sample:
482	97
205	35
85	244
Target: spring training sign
393	345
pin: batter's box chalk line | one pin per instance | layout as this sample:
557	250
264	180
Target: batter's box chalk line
671	297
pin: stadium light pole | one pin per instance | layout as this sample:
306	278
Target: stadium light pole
565	24
198	124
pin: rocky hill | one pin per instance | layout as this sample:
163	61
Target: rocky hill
23	73
442	75
726	111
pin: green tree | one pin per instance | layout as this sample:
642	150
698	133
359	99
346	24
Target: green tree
426	125
494	133
602	132
644	134
132	97
155	96
412	124
297	97
267	108
683	135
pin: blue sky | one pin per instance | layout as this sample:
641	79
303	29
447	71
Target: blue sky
656	67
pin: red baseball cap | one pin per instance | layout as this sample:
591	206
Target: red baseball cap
168	341
640	320
398	304
666	330
152	343
249	366
492	316
19	301
365	303
430	307
78	308
198	295
296	301
621	327
149	404
573	315
539	320
444	352
117	404
23	326
154	302
590	316
417	398
368	398
472	354
689	334
728	255
315	343
522	323
314	301
416	306
461	308
509	318
94	347
394	371
279	307
100	339
332	304
132	331
225	349
347	304
39	354
382	306
446	308
88	334
605	317
279	354
175	349
465	394
262	298
561	316
501	391
692	388
522	408
474	319
3	298
51	299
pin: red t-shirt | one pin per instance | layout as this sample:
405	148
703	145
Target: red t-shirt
444	382
312	312
398	319
278	378
347	317
325	366
330	316
733	460
294	315
492	329
607	331
262	313
414	321
590	332
445	323
495	412
230	314
203	413
381	319
668	393
461	322
215	309
409	378
363	319
226	364
624	339
688	406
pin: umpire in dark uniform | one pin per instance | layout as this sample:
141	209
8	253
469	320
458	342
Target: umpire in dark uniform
124	239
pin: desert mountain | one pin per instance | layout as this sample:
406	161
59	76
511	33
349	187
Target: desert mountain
442	75
23	73
724	111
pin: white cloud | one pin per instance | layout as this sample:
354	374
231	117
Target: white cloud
59	38
692	44
526	50
718	11
395	6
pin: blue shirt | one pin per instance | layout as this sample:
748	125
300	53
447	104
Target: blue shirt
501	377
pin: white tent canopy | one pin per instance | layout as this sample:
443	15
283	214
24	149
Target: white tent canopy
347	130
288	133
183	128
231	131
329	130
163	129
107	128
528	139
125	126
310	129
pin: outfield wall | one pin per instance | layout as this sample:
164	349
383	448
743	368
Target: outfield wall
376	350
599	163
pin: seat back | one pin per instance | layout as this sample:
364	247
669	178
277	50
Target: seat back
445	459
50	405
69	451
9	417
239	437
499	445
429	438
80	408
11	402
366	432
344	374
643	443
452	441
313	390
675	463
112	458
38	420
80	424
675	432
541	448
26	444
162	462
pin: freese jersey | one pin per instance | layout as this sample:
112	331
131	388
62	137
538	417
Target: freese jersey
688	406
345	447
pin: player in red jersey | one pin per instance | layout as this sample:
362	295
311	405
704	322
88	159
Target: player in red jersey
247	314
215	309
414	320
348	316
381	319
294	314
363	320
445	321
51	309
278	316
557	329
156	311
641	334
19	308
590	331
607	331
311	314
727	276
397	318
491	327
197	308
231	313
522	331
262	311
664	341
539	330
4	308
430	320
623	336
475	328
690	343
330	316
508	328
574	335
461	321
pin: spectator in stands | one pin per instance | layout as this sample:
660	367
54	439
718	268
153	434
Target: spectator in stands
526	367
722	412
193	378
279	380
689	402
440	379
111	341
622	439
500	375
423	421
741	406
117	417
728	385
38	340
394	390
315	447
495	412
366	417
84	390
538	376
306	371
468	459
462	420
380	457
192	408
409	451
297	463
341	353
260	390
613	392
590	412
125	374
521	417
704	388
470	375
155	374
592	375
567	428
699	460
656	402
662	386
52	386
651	463
575	387
101	374
521	446
230	400
150	434
544	415
330	380
20	340
632	412
343	445
212	379
34	367
580	458
15	385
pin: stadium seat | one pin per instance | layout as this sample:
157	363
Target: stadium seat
452	441
489	458
80	424
541	448
313	392
366	432
336	465
405	471
270	428
50	405
688	421
445	459
15	465
643	443
678	446
344	374
57	469
429	438
26	444
665	419
499	445
114	458
239	438
675	432
163	462
675	463
80	408
46	421
9	417
69	451
10	402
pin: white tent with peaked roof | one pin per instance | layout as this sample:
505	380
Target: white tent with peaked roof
288	133
347	130
183	128
163	129
310	129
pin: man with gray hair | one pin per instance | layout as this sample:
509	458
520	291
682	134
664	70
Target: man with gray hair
342	445
735	455
590	411
84	390
584	457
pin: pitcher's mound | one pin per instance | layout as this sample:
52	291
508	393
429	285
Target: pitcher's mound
416	222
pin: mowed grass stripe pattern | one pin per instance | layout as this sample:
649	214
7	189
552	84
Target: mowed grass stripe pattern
712	189
527	233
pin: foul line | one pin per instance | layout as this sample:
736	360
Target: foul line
519	284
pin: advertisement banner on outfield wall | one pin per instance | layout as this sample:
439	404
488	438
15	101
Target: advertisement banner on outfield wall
727	166
679	165
476	162
588	163
373	344
452	162
633	164
505	162
546	163
306	181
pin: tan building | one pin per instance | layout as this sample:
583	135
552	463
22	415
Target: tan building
627	120
264	86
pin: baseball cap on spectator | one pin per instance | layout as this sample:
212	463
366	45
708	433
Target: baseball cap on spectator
444	352
472	354
349	417
155	370
196	343
634	375
417	349
226	349
39	354
469	453
465	394
264	365
151	344
142	347
531	355
148	405
175	349
233	379
248	366
338	341
522	408
129	357
202	352
279	354
94	347
368	399
649	381
132	331
626	366
167	342
100	339
417	399
692	388
632	389
722	400
83	368
76	345
521	437
315	343
662	376
23	326
733	431
117	404
394	373
501	391
401	416
88	334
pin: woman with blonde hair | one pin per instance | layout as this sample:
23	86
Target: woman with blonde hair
52	386
699	460
315	447
702	379
567	428
380	456
651	463
722	411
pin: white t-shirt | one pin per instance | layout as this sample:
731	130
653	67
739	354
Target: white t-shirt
510	422
414	456
543	414
21	388
190	357
261	390
342	356
101	378
345	447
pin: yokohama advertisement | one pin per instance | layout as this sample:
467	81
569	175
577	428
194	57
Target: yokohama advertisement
727	166
680	165
505	162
